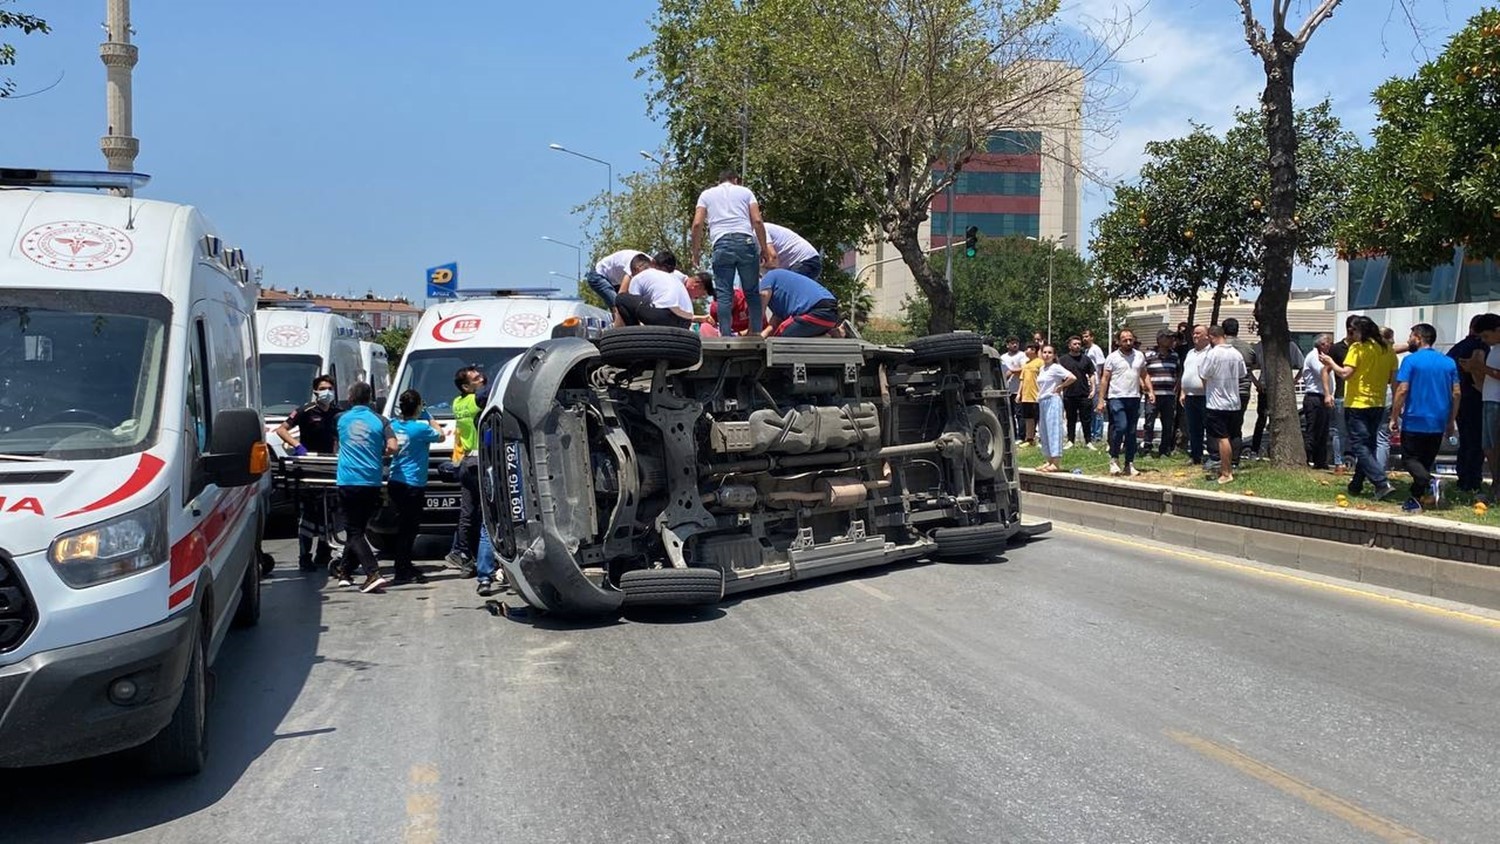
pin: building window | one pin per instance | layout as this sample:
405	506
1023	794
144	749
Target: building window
1480	281
1014	143
994	184
990	225
1366	280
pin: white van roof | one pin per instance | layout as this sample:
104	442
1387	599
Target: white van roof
498	321
289	331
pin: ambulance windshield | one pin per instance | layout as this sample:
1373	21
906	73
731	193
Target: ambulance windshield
80	373
430	372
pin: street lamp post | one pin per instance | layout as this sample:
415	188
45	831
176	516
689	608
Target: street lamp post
1051	253
609	207
572	246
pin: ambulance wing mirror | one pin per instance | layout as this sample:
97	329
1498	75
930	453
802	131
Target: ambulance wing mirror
238	455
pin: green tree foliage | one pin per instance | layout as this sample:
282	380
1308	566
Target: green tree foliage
858	102
394	340
1195	216
1432	180
1003	292
27	24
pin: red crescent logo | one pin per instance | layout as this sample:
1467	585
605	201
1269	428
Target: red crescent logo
456	329
144	471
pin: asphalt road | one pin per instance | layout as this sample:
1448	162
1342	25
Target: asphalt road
1081	689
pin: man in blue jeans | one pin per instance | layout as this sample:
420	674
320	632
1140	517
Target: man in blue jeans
739	242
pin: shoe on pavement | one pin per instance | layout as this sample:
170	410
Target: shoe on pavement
373	583
456	560
345	581
1384	491
485	587
403	578
1114	468
1412	506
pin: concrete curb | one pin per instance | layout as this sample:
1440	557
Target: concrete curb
1452	580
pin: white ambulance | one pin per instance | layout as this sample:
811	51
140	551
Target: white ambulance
132	469
375	364
298	342
484	328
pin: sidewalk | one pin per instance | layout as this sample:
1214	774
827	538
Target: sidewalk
1421	554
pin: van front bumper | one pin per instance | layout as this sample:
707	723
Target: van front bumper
55	706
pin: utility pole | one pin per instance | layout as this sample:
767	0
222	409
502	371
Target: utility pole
119	57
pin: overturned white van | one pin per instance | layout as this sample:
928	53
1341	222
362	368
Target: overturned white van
132	469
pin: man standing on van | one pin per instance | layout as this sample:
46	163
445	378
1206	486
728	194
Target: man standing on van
739	244
317	429
606	276
365	439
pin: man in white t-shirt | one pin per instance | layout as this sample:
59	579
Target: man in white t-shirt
1011	362
652	296
739	243
793	252
1190	393
1316	381
607	275
1121	386
1222	368
1095	354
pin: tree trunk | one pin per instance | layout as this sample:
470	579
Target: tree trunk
1192	312
1280	239
1222	283
902	234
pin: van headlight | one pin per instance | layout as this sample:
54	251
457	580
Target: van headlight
112	549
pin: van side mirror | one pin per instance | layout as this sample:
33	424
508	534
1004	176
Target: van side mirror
238	455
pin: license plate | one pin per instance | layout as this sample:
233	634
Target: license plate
442	502
515	480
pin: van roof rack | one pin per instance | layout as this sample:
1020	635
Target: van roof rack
291	305
23	177
510	292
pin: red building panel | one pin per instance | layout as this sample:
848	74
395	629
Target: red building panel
987	163
988	204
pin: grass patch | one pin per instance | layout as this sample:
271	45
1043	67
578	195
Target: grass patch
1260	479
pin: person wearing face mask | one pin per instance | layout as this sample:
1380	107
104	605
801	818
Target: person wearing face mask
316	424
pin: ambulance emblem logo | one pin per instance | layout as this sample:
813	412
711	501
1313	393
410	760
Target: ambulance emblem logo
76	246
525	325
287	336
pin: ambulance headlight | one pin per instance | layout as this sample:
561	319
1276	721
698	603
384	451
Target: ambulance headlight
112	549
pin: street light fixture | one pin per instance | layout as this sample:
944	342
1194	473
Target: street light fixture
572	246
609	187
1051	252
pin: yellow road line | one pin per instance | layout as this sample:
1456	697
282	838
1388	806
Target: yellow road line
1363	819
1204	558
422	806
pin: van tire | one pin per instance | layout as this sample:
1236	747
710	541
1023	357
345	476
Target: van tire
936	347
646	344
247	614
972	542
181	748
688	587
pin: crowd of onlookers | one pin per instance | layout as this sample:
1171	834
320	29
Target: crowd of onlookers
1361	396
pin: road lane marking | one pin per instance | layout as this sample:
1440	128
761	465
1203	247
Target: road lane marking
422	805
1208	559
871	590
1363	819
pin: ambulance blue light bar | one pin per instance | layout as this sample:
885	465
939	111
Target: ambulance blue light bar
21	177
514	292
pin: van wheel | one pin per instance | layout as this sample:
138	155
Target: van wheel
973	542
181	748
247	614
936	347
646	344
672	587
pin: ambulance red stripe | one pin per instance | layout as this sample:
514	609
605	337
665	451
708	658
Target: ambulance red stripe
145	471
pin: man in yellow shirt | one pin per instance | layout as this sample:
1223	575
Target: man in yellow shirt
1029	407
1368	369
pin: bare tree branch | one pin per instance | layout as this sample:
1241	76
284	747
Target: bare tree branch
1314	20
1255	34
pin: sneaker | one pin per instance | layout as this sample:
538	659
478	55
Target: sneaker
485	587
345	582
1384	491
1114	468
1090	446
1355	487
373	583
1131	470
1437	491
456	560
1067	446
1412	506
402	578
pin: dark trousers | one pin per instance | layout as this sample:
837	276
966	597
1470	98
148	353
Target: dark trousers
314	523
635	310
1079	411
1123	415
1363	423
1194	412
466	537
409	501
1262	416
1470	443
1237	433
1419	453
360	503
1165	410
1316	418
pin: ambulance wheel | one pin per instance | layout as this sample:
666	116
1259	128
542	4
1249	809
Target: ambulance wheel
181	748
646	344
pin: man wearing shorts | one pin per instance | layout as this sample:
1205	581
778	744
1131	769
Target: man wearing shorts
800	306
1222	368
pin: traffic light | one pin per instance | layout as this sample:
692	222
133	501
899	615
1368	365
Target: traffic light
971	241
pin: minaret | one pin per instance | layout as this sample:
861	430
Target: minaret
119	57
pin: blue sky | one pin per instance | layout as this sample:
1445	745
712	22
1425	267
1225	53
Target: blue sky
347	146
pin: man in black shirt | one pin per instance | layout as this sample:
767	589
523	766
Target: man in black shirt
1469	354
317	433
1076	403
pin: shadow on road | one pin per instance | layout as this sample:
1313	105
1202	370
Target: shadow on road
258	674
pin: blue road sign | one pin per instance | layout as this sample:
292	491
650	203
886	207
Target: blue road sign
442	281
